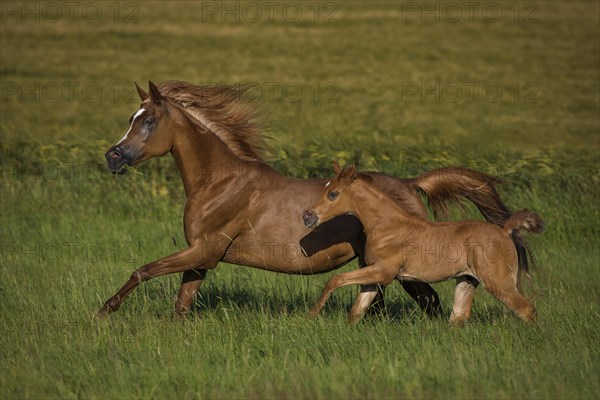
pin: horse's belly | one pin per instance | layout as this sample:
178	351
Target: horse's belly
286	257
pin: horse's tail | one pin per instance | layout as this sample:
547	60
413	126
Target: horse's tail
526	220
452	185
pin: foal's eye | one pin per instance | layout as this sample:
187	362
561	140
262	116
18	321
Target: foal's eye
332	195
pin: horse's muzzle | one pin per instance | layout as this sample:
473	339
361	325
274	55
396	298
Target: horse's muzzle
310	219
116	158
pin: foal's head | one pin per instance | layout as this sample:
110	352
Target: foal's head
149	135
334	201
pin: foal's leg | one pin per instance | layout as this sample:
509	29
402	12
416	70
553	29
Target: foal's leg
377	306
503	286
370	275
422	292
181	261
364	299
463	299
427	298
509	295
190	283
376	303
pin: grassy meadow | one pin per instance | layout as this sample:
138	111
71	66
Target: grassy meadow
507	88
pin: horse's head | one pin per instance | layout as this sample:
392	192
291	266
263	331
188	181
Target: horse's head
333	202
149	135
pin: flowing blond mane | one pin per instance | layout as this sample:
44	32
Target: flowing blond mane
226	110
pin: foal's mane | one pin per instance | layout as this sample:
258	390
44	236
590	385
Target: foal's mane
226	111
369	178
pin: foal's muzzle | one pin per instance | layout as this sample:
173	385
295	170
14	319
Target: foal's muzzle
310	218
116	158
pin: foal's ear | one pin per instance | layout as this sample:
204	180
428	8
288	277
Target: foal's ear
143	95
336	168
349	174
352	171
154	92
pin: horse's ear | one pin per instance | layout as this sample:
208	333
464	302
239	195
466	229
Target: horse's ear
154	92
336	168
143	95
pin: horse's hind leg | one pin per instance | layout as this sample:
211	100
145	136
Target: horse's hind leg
190	283
427	298
463	299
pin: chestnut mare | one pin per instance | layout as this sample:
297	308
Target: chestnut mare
406	248
241	211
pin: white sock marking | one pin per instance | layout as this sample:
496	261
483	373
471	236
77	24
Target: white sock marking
137	114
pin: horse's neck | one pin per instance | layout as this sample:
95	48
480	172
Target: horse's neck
374	208
201	156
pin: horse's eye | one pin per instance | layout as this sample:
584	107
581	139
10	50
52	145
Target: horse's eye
149	121
332	195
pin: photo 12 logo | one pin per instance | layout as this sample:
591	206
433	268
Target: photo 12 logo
469	11
125	92
470	92
269	11
68	92
293	92
69	11
71	252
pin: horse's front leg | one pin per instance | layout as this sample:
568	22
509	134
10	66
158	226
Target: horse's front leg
190	283
183	260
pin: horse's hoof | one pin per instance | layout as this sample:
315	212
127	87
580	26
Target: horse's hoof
106	309
182	314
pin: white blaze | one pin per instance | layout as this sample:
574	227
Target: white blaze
137	114
328	183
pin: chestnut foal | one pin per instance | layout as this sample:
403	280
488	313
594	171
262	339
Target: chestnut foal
402	247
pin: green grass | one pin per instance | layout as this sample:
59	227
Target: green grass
71	233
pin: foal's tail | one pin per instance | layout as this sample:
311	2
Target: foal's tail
523	220
452	185
526	220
